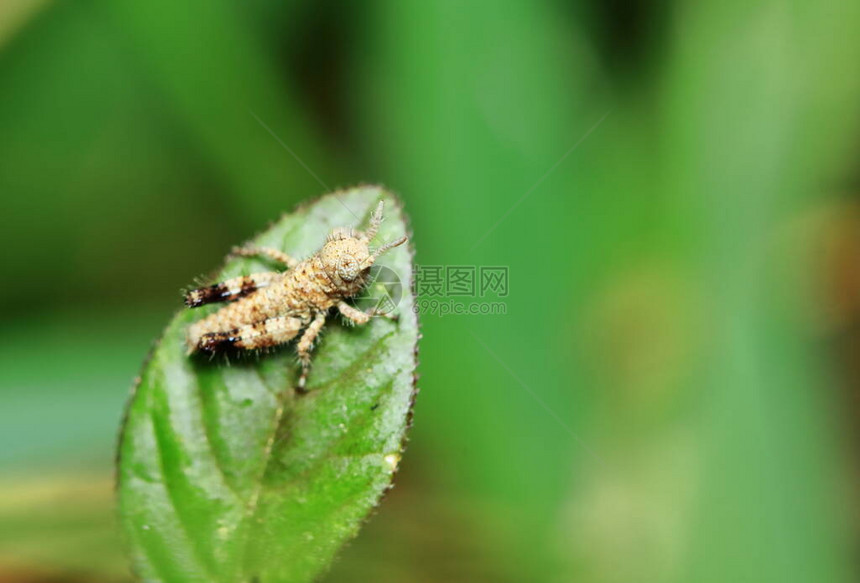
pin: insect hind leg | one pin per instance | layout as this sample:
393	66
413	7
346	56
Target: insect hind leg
262	334
229	290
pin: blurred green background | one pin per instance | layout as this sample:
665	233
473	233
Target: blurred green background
671	394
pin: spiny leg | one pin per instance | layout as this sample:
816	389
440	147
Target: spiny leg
273	254
262	334
229	290
306	343
359	317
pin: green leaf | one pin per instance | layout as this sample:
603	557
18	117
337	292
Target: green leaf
227	474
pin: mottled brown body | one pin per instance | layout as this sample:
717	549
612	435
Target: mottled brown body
272	308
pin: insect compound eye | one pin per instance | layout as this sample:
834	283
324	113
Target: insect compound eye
348	268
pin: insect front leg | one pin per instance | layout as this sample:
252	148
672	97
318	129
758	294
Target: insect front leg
358	317
306	343
273	254
355	315
231	289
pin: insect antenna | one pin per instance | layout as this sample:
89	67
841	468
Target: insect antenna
379	251
375	221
